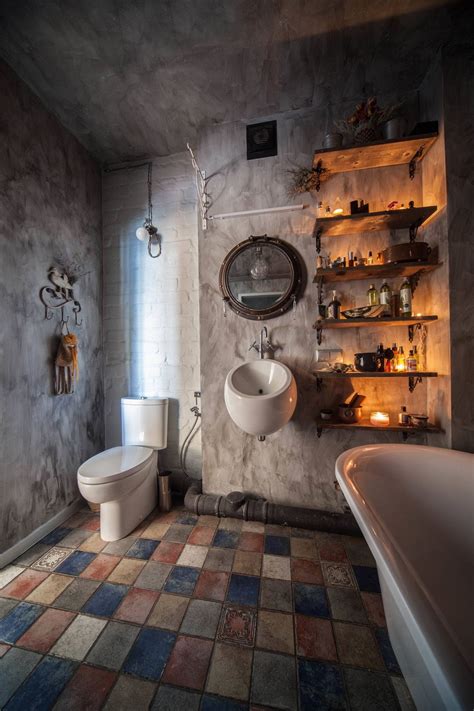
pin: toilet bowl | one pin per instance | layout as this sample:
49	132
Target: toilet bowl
123	480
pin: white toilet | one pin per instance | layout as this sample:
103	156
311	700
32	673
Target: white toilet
123	480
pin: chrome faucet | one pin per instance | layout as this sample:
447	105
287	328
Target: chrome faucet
262	347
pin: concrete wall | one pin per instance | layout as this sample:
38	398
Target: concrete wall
293	466
49	214
151	310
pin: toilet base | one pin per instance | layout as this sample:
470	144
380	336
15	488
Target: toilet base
119	518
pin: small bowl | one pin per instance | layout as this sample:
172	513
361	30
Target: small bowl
326	414
419	421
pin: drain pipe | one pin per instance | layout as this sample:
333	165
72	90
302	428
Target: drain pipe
238	505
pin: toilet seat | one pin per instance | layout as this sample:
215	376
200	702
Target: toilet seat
114	464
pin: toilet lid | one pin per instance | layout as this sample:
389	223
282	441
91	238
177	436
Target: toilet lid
114	464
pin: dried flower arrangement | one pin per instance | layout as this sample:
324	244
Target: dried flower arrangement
303	180
364	124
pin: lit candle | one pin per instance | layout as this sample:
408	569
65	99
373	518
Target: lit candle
379	418
338	211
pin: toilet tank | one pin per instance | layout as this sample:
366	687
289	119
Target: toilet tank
145	421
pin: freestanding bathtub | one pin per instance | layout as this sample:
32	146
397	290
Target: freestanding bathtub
415	507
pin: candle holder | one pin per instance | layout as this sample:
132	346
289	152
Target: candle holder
380	419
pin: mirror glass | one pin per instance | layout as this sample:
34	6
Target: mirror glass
262	277
259	276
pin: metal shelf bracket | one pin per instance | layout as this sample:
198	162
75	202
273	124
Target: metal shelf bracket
319	431
319	334
319	170
413	230
319	384
413	381
411	330
412	163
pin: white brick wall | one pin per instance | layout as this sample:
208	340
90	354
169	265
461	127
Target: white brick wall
151	306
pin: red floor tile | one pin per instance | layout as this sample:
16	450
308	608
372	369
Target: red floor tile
201	536
374	608
332	550
306	571
91	524
314	638
253	542
87	689
188	663
21	586
136	605
167	552
211	585
46	630
4	649
101	567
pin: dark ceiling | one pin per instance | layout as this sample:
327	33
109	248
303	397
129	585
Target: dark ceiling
140	77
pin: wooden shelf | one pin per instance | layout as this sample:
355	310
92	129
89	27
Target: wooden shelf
379	154
377	321
410	218
405	430
374	271
357	374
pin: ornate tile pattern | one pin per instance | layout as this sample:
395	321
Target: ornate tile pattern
198	613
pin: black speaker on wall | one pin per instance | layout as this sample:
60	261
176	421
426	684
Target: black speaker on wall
262	140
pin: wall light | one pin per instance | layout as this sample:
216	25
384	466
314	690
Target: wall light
148	231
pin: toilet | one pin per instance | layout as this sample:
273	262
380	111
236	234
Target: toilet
123	480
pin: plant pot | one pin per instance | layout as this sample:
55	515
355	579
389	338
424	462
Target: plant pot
332	140
395	128
364	134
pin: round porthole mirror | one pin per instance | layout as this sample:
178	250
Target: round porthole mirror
262	278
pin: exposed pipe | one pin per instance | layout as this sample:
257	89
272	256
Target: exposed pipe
238	505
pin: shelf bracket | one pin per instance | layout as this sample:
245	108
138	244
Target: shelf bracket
411	330
412	163
320	289
319	431
413	381
319	334
414	279
317	232
319	170
413	230
319	384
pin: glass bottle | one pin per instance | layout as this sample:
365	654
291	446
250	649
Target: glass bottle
403	416
411	362
370	259
385	294
405	298
401	361
334	307
373	296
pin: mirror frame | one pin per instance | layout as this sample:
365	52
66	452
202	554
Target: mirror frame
293	293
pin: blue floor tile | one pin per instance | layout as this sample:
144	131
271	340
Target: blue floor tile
187	519
15	666
226	539
169	698
277	545
387	652
243	589
149	654
105	600
13	625
182	580
311	600
142	548
55	536
212	703
76	563
367	578
43	686
321	687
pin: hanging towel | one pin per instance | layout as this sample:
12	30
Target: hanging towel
66	370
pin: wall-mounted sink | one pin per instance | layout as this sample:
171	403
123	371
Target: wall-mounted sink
260	396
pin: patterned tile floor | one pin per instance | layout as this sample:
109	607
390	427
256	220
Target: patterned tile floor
195	613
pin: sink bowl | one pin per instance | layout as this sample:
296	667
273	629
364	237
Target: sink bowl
260	396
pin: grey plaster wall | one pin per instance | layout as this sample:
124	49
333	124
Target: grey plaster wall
151	306
293	466
49	214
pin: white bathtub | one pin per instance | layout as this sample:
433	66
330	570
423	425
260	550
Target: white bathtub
415	507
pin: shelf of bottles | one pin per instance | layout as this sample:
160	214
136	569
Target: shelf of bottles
374	271
405	430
